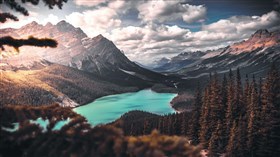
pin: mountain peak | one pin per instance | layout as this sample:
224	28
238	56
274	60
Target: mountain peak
32	24
261	33
63	23
49	24
65	26
260	39
100	36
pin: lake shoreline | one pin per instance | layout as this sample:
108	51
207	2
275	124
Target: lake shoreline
109	108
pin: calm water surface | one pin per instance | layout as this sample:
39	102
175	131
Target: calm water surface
109	108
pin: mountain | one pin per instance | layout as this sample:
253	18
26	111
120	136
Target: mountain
260	40
252	56
159	63
45	83
178	62
97	55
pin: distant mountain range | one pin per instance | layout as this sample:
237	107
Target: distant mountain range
252	56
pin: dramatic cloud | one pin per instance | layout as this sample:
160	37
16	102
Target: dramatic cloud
163	11
23	20
243	24
95	22
150	29
155	41
89	3
149	41
51	18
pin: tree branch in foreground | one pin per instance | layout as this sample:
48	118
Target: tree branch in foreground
31	41
5	16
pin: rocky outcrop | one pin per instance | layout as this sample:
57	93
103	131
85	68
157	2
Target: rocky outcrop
261	39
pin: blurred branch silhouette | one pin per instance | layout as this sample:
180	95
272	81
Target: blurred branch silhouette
17	7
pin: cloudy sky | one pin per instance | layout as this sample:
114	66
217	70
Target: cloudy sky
147	30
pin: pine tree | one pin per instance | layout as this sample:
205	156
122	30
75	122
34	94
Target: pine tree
247	91
146	127
230	103
216	143
194	127
223	111
241	136
232	147
204	134
255	85
224	99
252	113
170	125
184	124
216	100
215	106
159	126
238	105
260	96
270	123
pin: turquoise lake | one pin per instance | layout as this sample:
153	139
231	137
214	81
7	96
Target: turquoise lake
109	108
42	123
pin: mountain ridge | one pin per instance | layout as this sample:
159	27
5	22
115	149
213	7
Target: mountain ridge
97	55
257	46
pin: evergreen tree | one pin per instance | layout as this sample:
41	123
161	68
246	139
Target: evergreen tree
232	143
224	99
270	123
146	127
230	103
184	124
215	106
204	133
194	126
242	137
216	143
252	112
247	91
260	96
238	94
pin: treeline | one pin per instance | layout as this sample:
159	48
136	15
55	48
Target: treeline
136	123
78	139
228	118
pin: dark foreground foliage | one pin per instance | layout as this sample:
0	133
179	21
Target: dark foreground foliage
78	139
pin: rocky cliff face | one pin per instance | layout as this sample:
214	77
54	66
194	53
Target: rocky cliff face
261	39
